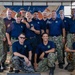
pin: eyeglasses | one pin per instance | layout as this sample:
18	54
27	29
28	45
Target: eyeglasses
22	37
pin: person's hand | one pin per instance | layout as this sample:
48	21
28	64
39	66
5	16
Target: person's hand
24	21
4	39
27	24
42	31
27	61
32	28
42	55
63	40
35	66
9	43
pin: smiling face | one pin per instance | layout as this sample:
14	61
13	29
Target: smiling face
45	37
9	13
28	15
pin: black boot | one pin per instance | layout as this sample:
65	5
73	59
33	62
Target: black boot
1	68
17	71
4	67
11	69
61	65
66	68
51	71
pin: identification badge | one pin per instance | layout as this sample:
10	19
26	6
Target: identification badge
48	46
65	21
56	21
32	25
25	46
21	26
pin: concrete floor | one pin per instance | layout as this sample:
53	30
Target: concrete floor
57	72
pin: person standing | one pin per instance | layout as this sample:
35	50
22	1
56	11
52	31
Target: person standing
31	33
13	32
70	41
2	39
7	20
56	31
66	23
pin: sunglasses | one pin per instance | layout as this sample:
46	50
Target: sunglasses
22	37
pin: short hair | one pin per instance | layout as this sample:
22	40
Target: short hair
44	33
22	34
53	10
22	9
18	15
61	11
36	11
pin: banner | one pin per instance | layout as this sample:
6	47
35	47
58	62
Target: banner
31	9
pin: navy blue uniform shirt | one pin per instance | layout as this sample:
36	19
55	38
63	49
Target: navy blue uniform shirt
73	45
42	48
22	49
16	29
55	27
37	24
44	24
28	32
66	23
7	21
71	26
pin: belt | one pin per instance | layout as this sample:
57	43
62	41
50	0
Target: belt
14	38
56	36
31	37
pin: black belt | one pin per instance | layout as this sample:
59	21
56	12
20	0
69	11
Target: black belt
14	38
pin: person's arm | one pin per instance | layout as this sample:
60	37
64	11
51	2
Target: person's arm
50	51
36	31
18	54
47	31
69	50
42	55
64	33
8	39
26	23
35	61
30	55
22	56
42	31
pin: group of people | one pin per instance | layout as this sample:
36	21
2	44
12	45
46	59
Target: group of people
34	44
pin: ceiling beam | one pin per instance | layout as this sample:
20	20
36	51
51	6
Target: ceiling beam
37	0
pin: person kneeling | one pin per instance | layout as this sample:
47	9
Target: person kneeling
45	53
19	59
71	57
